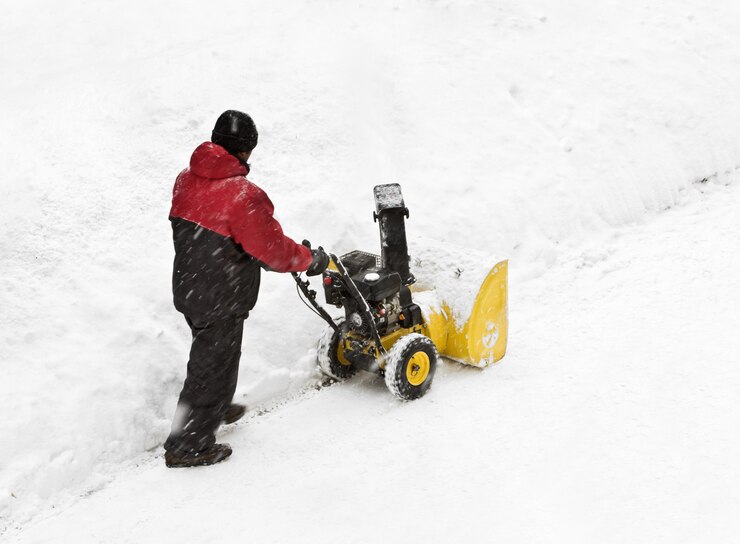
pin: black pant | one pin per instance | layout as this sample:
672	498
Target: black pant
210	384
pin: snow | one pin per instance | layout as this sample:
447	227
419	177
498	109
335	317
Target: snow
388	196
593	429
594	144
449	275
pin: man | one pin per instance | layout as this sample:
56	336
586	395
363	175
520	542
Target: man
224	232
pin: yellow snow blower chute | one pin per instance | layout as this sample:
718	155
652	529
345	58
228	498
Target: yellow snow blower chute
396	328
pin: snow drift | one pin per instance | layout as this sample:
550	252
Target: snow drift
514	130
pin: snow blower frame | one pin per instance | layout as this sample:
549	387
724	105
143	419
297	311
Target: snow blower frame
383	331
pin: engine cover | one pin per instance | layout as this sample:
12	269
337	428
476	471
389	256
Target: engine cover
375	285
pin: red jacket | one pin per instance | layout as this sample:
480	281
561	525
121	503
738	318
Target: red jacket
221	224
215	193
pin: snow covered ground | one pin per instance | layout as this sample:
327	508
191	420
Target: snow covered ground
612	419
553	134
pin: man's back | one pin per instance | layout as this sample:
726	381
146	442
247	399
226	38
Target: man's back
212	274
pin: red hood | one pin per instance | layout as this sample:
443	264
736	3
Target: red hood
213	161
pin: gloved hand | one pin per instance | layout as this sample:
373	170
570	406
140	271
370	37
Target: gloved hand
319	263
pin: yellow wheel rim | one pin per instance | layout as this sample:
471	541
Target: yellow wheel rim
417	369
340	356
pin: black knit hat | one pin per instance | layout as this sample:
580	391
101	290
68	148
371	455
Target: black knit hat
235	131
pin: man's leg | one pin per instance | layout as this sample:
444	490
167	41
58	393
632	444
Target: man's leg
210	383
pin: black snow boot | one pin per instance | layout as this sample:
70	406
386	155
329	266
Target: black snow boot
234	413
214	454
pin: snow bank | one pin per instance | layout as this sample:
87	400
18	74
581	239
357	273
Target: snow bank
513	129
449	274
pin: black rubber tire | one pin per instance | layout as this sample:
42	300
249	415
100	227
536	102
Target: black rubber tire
329	358
399	357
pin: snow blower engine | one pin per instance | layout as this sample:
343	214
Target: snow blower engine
383	331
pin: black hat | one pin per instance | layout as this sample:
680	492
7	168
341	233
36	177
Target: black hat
235	131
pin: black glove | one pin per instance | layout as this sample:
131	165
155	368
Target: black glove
319	263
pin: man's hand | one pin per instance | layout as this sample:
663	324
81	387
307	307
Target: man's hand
319	263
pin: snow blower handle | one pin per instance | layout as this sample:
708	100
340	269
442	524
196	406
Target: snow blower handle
310	295
319	262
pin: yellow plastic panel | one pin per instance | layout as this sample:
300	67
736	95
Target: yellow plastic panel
482	340
437	327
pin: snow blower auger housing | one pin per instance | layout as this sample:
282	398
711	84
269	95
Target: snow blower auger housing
383	330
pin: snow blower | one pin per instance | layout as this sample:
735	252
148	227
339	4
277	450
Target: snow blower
383	330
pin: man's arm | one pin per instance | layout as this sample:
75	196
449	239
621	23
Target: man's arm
259	233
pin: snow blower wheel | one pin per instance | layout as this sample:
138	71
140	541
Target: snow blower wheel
410	367
332	361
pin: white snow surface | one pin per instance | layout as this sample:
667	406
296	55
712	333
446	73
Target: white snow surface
611	420
594	144
449	274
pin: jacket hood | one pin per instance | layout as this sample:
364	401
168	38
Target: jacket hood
210	160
